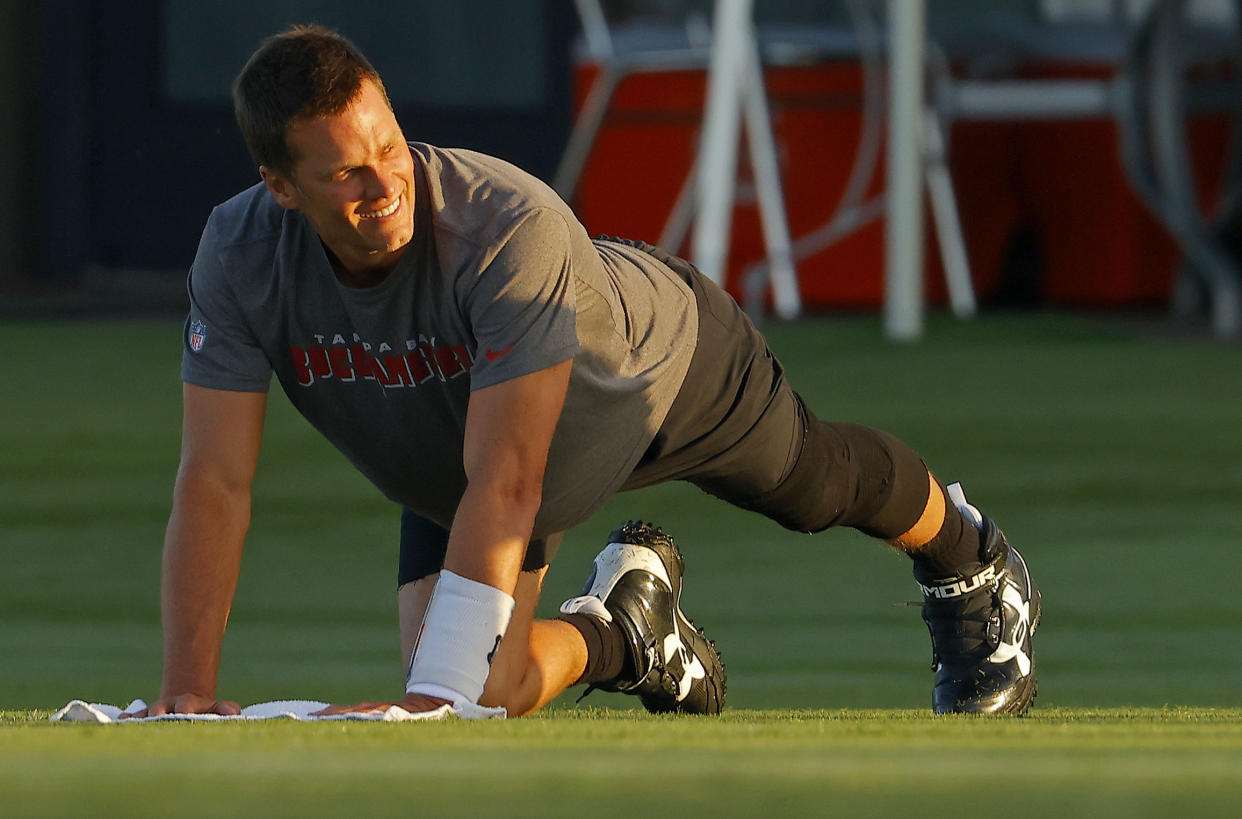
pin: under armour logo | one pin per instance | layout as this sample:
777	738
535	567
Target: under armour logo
692	667
1012	648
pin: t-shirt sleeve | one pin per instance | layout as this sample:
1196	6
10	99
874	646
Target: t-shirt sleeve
521	306
219	349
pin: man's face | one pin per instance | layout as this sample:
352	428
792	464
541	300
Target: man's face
353	179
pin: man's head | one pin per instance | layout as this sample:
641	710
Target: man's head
305	72
316	118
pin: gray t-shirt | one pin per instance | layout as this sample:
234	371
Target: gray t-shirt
500	280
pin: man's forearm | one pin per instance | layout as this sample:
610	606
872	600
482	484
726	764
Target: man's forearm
489	536
202	558
474	597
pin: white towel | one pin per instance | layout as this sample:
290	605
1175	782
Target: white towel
81	711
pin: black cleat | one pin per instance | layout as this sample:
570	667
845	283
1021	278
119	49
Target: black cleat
981	626
636	582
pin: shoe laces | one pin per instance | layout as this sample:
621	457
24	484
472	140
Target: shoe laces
963	630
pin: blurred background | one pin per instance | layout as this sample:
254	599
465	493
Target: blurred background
1055	181
1075	153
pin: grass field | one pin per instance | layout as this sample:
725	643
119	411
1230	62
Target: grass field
1110	451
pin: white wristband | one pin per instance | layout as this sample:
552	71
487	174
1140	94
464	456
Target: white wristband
461	630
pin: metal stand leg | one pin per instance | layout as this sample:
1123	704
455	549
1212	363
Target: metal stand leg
944	215
787	300
569	171
717	165
903	279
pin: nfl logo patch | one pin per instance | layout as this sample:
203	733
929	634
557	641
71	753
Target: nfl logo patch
198	334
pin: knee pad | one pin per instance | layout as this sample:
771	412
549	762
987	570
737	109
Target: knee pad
424	544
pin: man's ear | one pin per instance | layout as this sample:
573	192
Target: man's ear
282	188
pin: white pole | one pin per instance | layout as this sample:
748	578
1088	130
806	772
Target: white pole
783	274
717	162
903	257
945	218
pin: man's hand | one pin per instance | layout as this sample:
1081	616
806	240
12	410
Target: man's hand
186	704
221	432
414	703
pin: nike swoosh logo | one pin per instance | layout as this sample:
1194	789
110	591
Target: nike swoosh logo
492	355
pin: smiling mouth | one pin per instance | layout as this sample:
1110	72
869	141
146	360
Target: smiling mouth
380	214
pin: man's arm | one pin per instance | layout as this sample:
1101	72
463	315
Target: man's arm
509	429
220	437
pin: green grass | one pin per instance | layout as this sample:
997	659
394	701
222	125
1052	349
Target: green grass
1075	762
1111	454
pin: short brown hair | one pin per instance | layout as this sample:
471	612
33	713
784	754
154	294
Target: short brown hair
306	71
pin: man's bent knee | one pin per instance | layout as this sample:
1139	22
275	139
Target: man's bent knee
845	475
